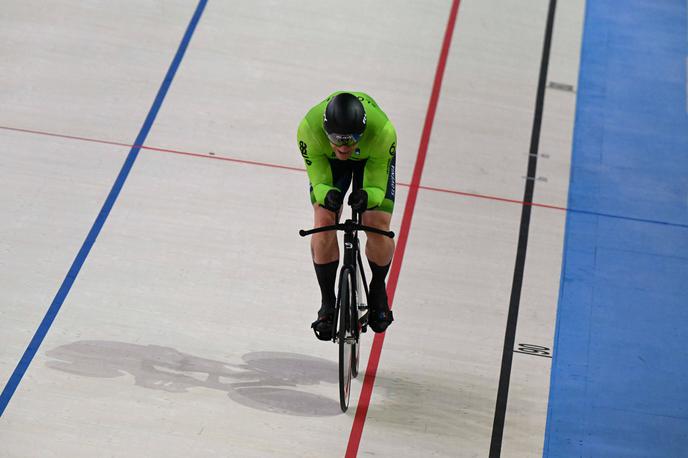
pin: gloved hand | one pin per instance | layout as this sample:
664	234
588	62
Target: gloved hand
358	200
333	200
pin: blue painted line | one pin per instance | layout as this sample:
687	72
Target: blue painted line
620	363
628	218
44	327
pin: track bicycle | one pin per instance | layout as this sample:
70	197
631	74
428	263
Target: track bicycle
351	309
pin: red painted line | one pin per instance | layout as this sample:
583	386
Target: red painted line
376	350
264	164
500	199
152	148
70	137
224	158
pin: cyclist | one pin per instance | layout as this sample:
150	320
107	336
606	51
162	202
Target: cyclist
343	138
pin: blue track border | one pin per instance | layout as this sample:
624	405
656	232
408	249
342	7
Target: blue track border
16	377
617	386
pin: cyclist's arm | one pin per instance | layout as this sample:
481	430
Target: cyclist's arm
317	164
377	168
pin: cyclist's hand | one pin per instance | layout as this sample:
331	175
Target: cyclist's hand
358	200
333	200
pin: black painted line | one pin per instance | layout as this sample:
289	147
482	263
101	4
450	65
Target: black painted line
512	319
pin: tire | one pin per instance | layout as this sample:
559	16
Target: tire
356	327
344	334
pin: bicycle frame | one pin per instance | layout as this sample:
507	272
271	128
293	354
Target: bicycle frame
350	307
353	262
352	254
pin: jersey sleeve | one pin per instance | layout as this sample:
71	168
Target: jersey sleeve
377	168
317	164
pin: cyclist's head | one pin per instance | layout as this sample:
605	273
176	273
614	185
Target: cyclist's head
344	120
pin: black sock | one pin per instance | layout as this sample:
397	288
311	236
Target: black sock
379	274
327	275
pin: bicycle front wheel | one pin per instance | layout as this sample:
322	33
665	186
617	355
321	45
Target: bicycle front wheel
355	328
345	336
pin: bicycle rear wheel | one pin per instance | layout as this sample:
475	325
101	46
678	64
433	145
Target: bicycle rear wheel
345	337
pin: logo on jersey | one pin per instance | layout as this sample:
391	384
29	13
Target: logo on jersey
304	152
391	187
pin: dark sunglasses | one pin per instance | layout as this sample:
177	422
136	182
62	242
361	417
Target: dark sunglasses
341	140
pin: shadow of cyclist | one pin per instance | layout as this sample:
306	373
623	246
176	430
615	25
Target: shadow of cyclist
270	381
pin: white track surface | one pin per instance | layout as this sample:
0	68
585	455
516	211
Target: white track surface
187	332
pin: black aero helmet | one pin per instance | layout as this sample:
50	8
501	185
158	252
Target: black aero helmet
345	119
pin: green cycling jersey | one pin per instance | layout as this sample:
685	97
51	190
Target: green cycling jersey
377	147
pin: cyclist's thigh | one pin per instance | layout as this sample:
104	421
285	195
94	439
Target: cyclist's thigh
377	218
358	168
324	217
342	173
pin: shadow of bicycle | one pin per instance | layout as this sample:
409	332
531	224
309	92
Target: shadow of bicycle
269	381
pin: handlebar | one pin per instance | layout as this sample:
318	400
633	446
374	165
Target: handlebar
347	226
